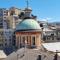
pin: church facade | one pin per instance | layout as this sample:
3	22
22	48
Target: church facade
28	33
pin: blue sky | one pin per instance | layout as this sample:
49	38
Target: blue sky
44	9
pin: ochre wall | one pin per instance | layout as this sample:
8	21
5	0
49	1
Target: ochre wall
30	34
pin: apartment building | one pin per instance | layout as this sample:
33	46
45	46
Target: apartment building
3	25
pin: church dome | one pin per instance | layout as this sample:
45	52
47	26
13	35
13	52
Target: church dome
28	24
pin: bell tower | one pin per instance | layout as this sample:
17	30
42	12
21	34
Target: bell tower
27	10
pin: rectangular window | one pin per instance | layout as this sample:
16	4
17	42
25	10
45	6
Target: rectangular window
23	41
52	36
5	44
1	45
27	39
17	38
48	38
33	40
20	42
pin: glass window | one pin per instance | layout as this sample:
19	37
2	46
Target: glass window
27	39
52	35
5	44
20	42
48	38
44	38
4	11
17	38
23	38
33	40
23	41
1	44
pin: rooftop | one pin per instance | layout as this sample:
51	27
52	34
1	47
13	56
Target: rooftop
52	46
2	54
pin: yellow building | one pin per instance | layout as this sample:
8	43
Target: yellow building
28	33
14	10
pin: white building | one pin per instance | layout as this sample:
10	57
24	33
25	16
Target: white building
2	55
50	50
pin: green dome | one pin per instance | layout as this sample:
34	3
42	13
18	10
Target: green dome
28	24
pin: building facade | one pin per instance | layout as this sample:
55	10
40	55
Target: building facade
3	25
14	10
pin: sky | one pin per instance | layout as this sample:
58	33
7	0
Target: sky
44	9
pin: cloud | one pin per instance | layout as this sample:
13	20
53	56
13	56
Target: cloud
46	19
